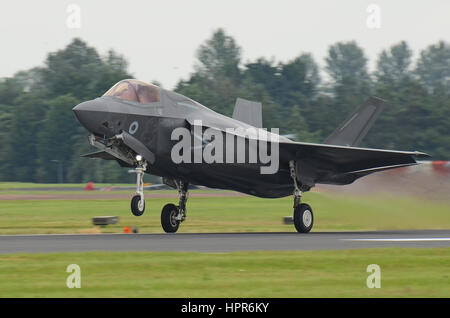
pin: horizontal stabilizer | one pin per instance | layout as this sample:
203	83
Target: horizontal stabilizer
356	126
248	112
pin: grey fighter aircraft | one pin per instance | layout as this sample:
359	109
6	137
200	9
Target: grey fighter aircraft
133	124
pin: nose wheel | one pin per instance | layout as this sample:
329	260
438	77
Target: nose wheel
138	201
137	205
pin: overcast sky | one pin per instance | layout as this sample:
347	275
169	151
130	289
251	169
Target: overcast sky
159	38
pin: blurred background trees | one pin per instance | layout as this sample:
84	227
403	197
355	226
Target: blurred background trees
41	141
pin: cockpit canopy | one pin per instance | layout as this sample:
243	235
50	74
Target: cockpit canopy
134	90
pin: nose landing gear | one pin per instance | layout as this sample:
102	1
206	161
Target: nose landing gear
138	202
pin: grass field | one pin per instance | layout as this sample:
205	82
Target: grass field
225	214
404	273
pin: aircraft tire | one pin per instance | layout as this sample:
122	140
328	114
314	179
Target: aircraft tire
135	209
168	214
303	218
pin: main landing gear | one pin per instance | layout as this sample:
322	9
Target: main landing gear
303	214
172	215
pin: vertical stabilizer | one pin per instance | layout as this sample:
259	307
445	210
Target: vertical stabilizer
355	127
248	112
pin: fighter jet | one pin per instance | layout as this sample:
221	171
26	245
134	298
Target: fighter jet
141	126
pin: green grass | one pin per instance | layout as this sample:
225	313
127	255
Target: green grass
404	273
226	214
19	185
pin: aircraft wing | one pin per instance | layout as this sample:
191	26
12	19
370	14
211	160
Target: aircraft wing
320	163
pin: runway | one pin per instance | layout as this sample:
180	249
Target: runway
221	242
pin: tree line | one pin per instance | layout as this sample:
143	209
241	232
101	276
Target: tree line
41	141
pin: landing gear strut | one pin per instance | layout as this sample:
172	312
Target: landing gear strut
138	202
303	214
172	215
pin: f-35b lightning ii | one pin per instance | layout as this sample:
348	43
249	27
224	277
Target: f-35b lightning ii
164	133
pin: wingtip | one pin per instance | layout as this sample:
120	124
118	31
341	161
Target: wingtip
377	99
421	155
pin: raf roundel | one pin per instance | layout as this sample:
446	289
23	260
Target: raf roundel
133	127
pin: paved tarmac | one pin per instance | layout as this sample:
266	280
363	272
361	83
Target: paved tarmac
221	242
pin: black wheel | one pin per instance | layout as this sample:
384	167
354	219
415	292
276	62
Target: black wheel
303	218
137	208
168	218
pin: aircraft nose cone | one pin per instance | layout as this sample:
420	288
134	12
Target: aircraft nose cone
91	114
89	106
